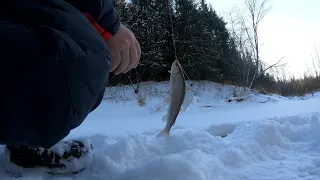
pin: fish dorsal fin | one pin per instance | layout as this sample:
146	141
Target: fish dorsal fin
165	118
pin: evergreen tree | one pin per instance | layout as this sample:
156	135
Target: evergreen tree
203	44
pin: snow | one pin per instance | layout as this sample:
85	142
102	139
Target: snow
315	94
262	137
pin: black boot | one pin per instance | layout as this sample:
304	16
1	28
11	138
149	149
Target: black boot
64	157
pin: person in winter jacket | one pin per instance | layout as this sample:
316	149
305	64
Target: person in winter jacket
56	58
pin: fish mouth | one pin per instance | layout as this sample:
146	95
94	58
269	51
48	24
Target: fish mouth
176	67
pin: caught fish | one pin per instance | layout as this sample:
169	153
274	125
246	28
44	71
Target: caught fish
176	97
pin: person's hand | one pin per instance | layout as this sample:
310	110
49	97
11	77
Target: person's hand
125	50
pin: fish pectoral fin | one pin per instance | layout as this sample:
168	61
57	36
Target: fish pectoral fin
169	71
163	133
165	118
167	100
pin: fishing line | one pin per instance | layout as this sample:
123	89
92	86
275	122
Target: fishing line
174	46
173	37
173	40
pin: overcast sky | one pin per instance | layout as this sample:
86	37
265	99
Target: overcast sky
291	29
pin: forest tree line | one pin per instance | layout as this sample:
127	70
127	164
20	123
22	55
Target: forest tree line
204	46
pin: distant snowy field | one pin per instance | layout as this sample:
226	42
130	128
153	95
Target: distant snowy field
260	137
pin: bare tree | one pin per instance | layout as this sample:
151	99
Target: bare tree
257	10
249	22
239	31
244	26
316	63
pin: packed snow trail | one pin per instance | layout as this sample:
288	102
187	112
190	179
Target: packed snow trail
276	140
118	119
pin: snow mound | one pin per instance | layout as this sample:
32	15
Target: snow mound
223	133
274	148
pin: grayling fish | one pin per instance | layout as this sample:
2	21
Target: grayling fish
176	97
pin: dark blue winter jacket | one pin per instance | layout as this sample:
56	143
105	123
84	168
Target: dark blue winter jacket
54	66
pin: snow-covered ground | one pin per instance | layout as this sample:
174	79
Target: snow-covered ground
315	94
261	137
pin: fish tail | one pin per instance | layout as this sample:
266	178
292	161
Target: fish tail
164	132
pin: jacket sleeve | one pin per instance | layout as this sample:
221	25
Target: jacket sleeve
101	14
51	52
